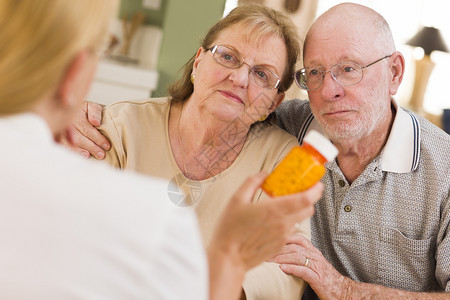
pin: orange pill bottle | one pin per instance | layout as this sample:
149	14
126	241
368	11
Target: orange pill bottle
302	167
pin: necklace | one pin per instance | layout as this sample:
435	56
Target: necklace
180	142
210	166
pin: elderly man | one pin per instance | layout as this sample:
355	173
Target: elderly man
382	228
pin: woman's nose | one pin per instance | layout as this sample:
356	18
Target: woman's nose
240	76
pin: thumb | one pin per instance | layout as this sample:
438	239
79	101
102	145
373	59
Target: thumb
247	190
294	203
94	113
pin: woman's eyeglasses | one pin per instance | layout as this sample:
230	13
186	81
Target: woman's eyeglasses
231	59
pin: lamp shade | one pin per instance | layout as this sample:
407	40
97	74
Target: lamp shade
429	39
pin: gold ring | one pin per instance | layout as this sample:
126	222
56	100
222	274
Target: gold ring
306	262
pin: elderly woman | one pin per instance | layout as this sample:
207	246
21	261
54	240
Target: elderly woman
207	136
66	236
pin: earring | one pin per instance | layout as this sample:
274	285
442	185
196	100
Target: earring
263	117
192	78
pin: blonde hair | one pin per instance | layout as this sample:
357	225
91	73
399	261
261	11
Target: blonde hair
38	41
258	22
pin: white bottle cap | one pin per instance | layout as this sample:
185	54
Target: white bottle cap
321	144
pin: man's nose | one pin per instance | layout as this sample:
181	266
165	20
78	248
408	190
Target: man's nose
331	89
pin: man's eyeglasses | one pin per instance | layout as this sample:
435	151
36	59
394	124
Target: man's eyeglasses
231	59
344	73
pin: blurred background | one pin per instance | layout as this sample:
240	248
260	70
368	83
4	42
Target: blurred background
152	39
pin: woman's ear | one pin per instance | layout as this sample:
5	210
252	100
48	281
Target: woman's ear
397	70
76	80
277	101
198	58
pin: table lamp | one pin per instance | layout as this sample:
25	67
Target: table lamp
429	39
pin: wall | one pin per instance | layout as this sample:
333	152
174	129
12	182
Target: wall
184	23
152	17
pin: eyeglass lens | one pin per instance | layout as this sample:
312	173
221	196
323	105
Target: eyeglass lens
260	75
345	73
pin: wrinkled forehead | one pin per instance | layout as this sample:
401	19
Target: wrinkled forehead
337	40
350	27
256	45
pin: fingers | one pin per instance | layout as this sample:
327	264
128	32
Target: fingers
87	137
314	193
296	251
302	245
261	229
301	203
312	266
249	187
296	270
302	266
301	241
288	254
300	262
94	113
81	144
66	140
297	215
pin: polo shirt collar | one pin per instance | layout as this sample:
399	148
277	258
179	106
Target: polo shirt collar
401	152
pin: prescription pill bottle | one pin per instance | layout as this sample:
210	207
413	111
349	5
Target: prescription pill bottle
302	167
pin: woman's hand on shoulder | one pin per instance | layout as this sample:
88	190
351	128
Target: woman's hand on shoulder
82	136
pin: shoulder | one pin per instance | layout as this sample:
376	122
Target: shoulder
124	194
136	108
97	208
432	132
296	107
138	114
269	140
117	185
268	132
292	114
276	133
434	142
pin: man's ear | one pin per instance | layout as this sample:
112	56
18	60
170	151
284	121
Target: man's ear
76	80
397	69
277	101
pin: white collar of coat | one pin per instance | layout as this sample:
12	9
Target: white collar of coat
26	126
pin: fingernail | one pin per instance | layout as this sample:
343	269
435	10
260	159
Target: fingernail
100	155
105	146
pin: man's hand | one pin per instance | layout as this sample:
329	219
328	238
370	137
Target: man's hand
300	258
83	137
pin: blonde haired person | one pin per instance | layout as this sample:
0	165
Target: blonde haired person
69	234
207	136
